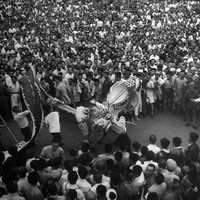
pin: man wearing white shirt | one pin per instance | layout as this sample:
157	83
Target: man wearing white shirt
152	144
22	121
52	120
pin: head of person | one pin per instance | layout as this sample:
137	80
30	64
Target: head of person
16	109
14	79
164	142
134	157
144	150
150	155
118	156
82	172
152	196
176	141
72	194
159	179
55	144
22	172
182	74
136	146
150	169
72	177
137	170
118	76
101	191
193	137
171	165
152	139
33	178
12	187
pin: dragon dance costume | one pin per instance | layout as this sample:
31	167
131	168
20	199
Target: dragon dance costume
98	116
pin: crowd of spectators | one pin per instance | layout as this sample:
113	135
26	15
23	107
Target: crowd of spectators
122	171
79	50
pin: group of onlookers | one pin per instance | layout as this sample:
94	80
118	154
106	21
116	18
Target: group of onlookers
123	170
79	49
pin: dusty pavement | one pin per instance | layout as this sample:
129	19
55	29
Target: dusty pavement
163	125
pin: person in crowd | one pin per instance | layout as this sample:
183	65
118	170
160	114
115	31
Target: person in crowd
71	185
178	151
192	151
53	152
4	100
164	152
179	87
159	186
152	144
52	120
30	189
14	90
12	192
61	91
20	117
78	58
53	193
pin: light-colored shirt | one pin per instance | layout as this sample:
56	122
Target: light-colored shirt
80	195
83	185
53	122
13	196
61	93
154	148
21	119
49	153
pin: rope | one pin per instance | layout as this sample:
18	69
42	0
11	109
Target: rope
62	106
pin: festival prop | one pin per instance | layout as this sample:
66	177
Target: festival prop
32	102
100	117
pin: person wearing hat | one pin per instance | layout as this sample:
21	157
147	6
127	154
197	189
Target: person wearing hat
171	172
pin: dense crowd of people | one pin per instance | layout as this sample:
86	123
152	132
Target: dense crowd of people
123	171
79	49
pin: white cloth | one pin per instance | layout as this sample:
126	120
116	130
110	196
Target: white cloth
21	119
83	185
154	148
81	114
53	122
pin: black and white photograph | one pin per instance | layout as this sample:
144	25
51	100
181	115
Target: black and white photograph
99	100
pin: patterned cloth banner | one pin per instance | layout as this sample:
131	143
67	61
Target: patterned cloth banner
31	98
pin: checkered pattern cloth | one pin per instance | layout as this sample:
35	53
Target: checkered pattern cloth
130	83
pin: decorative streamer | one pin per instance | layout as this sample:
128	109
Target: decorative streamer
32	101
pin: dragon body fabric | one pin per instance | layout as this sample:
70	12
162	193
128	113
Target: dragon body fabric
31	101
98	116
104	116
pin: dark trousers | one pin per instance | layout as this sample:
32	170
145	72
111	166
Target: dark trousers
56	137
26	132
